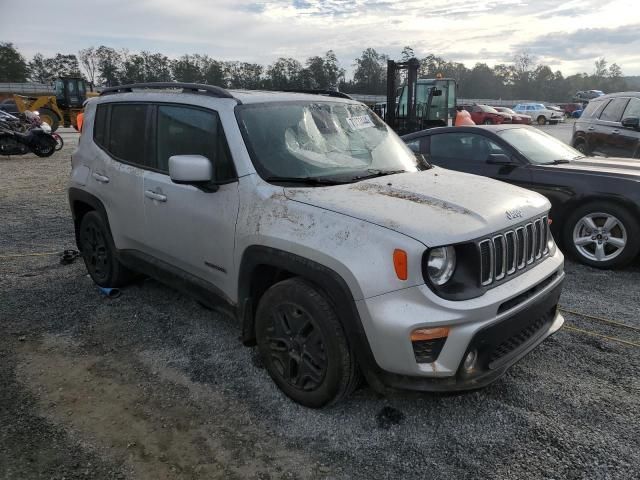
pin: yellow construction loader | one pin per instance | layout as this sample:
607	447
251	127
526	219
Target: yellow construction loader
57	104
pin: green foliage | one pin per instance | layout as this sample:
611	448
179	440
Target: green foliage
13	67
522	79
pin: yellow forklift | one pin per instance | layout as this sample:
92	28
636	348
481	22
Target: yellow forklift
62	108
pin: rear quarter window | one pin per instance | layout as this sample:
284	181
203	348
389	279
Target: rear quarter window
592	108
100	125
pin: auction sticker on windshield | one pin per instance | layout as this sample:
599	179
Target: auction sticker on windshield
360	122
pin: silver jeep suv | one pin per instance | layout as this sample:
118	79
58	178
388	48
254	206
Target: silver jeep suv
341	252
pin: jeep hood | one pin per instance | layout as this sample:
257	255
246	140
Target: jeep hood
435	207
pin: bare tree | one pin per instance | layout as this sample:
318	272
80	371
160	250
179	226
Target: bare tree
89	60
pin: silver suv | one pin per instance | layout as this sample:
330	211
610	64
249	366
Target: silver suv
341	252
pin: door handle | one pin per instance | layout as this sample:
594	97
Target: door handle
591	128
155	196
615	132
100	178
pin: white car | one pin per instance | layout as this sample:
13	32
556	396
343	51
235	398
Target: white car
539	113
339	250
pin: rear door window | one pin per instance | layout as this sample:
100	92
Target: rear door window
127	133
613	111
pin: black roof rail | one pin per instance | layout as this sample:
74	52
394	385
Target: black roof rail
328	93
211	90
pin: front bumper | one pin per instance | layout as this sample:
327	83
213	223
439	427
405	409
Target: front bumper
503	325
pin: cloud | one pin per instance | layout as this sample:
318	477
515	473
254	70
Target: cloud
262	30
585	43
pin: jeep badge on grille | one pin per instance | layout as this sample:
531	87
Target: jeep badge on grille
513	214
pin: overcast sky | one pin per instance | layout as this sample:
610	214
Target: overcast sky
567	35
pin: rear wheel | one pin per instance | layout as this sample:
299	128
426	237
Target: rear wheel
49	116
99	253
542	120
303	345
602	235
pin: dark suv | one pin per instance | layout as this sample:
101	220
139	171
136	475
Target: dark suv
610	126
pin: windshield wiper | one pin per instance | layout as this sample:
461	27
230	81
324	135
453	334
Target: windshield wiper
373	173
305	180
557	162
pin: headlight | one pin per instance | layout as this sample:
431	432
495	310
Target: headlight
441	264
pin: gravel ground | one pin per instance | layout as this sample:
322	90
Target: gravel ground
151	385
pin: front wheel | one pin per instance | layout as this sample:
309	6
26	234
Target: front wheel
581	146
44	146
602	235
303	345
542	120
488	122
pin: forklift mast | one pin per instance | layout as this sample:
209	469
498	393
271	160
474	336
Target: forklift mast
419	103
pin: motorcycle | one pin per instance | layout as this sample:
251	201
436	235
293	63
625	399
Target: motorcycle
16	140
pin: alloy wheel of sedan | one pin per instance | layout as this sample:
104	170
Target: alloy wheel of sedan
599	236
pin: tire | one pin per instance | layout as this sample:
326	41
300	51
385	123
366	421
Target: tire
45	146
595	247
488	122
49	116
542	120
581	146
99	253
295	321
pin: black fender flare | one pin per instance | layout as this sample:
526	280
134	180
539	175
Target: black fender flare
328	281
76	196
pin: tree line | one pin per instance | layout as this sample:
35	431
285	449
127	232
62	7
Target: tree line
523	78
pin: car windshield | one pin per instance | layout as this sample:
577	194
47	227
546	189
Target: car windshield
538	147
322	140
505	110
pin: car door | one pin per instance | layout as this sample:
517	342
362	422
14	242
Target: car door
470	152
192	228
630	136
607	140
120	131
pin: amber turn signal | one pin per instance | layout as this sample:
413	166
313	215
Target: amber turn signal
400	264
429	333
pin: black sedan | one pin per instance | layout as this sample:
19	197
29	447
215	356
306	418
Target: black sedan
595	201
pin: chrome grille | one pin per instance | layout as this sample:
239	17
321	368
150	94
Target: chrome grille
512	251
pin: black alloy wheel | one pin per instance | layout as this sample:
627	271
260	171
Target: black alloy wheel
297	347
303	345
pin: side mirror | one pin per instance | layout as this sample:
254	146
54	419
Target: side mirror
190	169
499	159
631	122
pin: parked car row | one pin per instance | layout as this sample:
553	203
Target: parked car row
523	113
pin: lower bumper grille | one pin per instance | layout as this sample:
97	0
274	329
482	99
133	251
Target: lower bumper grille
519	339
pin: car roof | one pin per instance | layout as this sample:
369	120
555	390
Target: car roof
463	129
241	96
618	94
